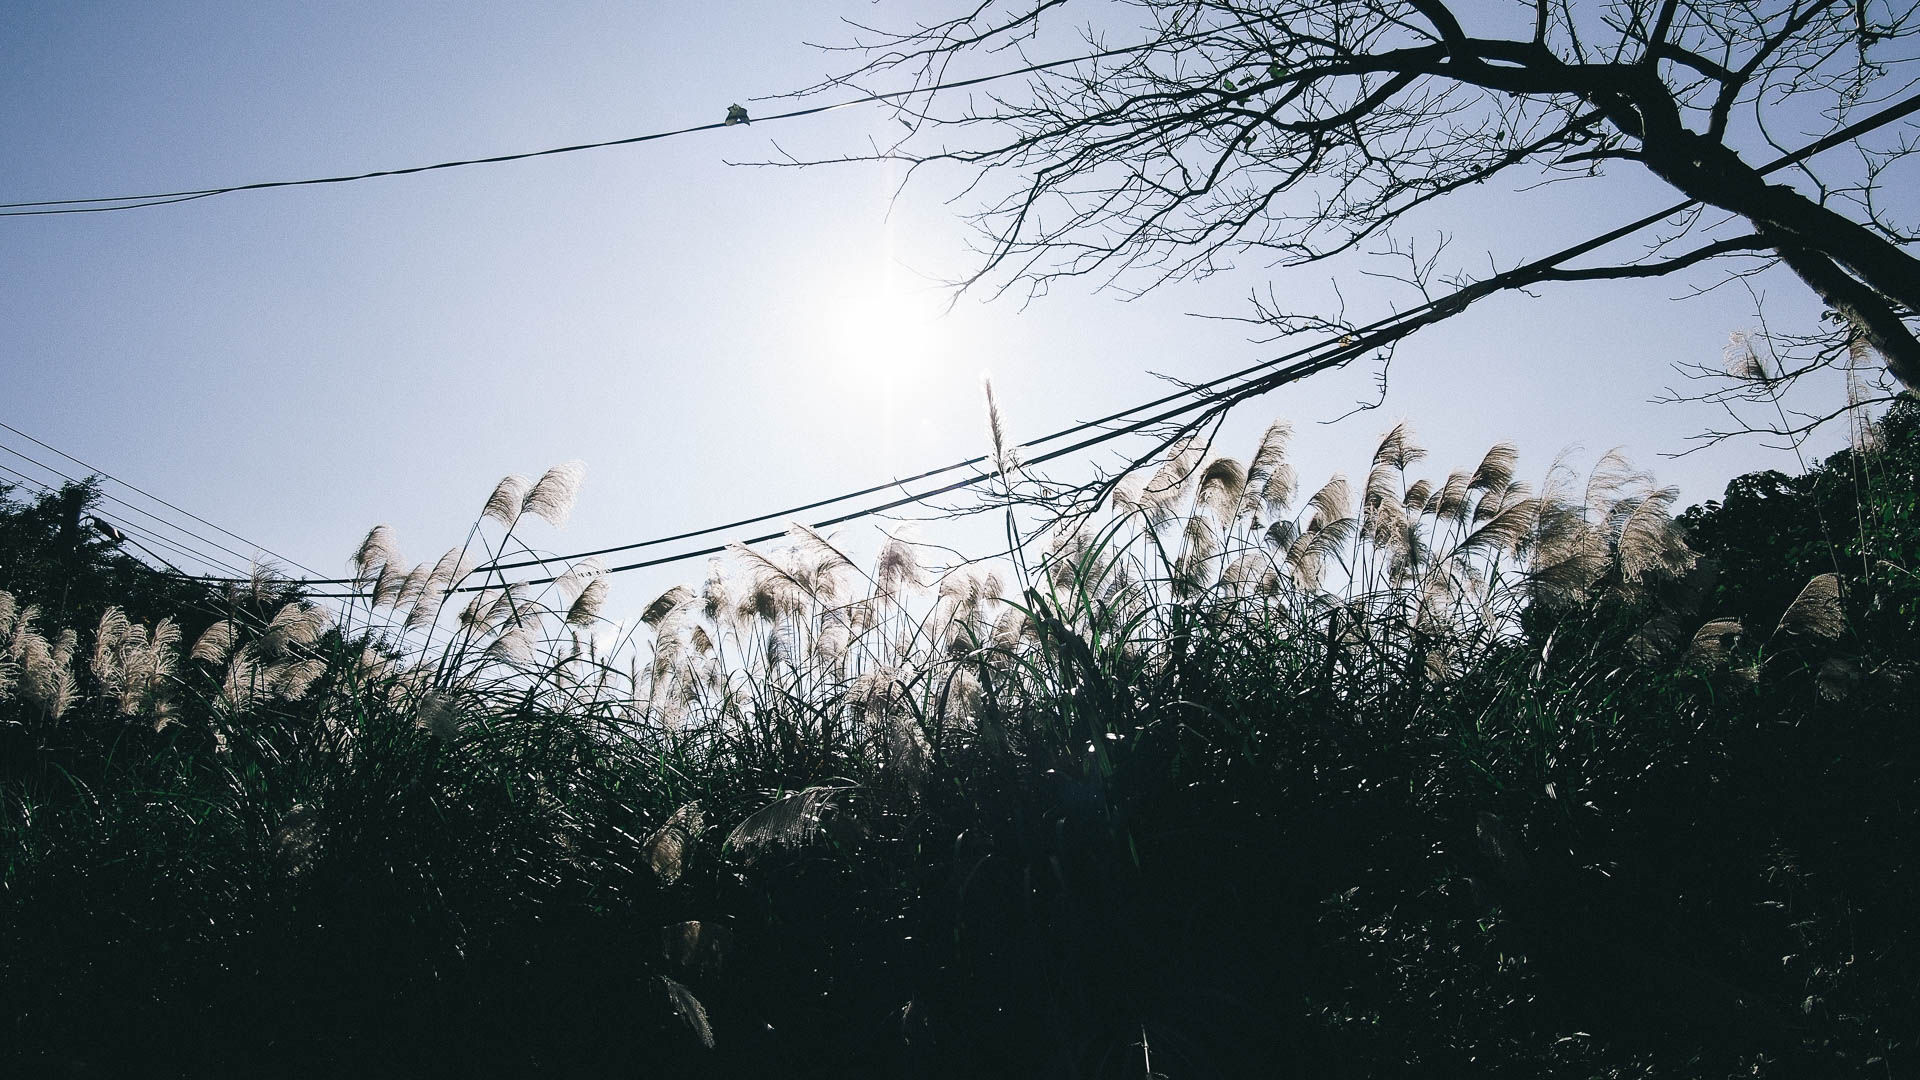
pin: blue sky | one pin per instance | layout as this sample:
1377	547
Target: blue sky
712	340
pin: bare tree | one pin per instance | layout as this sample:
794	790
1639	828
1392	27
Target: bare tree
1299	130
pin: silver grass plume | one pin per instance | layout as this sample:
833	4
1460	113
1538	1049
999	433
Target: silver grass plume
1496	468
375	553
215	642
552	496
897	568
1222	484
1329	504
1743	361
699	947
1712	644
1455	498
1419	498
1168	487
1270	478
667	850
1200	545
665	603
1647	539
1816	612
717	598
1397	449
689	1010
291	680
509	495
452	569
574	580
1006	457
793	820
1381	512
586	609
293	625
438	712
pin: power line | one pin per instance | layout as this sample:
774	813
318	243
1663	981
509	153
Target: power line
107	496
108	203
1279	371
129	528
147	494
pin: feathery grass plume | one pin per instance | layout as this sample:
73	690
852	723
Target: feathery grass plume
515	646
1222	483
438	712
586	609
791	821
508	607
574	580
1503	531
242	685
8	608
46	674
775	591
1612	479
1168	487
717	595
412	585
426	605
1199	545
698	947
1455	498
828	566
291	680
897	569
1712	644
295	624
215	642
689	1010
1397	448
1329	504
377	552
509	495
1381	512
1836	679
552	496
668	848
1281	534
1816	612
1125	496
385	591
1006	456
1009	628
1419	497
452	568
1646	538
665	603
1743	361
1496	468
1270	477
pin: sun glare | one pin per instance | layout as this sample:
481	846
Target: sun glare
883	334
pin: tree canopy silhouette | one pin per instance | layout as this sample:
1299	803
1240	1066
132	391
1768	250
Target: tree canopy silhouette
1299	130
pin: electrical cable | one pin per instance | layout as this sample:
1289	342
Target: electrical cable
147	494
96	204
1357	341
228	566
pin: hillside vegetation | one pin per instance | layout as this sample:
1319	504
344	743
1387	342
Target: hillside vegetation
1460	776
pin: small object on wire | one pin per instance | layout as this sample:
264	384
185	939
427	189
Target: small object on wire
113	535
737	115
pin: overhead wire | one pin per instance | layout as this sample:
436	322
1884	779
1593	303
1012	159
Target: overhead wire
109	203
1276	375
1278	371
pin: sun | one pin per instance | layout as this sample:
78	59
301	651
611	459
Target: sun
883	333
